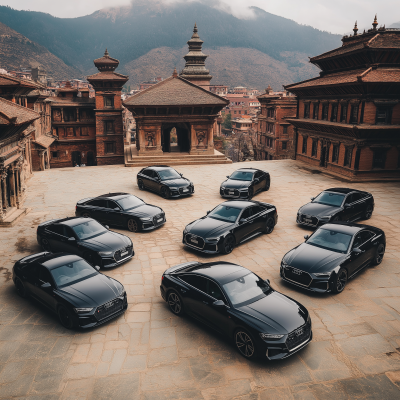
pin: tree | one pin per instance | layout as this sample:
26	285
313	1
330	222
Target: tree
227	124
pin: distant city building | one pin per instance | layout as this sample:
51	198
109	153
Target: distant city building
220	90
348	118
242	125
147	84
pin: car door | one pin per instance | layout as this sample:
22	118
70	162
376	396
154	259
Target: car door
245	225
356	260
45	294
367	246
70	244
259	182
114	214
31	276
156	182
55	235
359	205
99	210
145	177
349	210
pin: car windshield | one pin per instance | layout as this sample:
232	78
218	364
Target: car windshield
166	174
242	176
72	272
330	240
330	199
129	202
225	213
246	290
88	229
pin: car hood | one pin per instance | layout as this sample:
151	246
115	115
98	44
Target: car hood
92	292
312	259
178	182
145	210
318	210
107	241
235	184
280	313
207	227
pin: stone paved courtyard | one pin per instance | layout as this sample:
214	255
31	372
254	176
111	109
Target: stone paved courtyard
148	353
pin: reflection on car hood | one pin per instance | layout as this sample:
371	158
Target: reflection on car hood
92	292
178	182
278	312
318	210
108	241
311	258
236	184
145	210
207	227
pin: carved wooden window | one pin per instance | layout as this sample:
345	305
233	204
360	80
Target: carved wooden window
284	145
314	148
304	147
70	131
347	156
69	115
285	129
334	113
354	114
109	102
306	110
109	127
315	111
379	159
343	114
110	147
54	154
325	109
335	153
383	115
84	131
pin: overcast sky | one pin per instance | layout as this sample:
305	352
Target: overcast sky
336	16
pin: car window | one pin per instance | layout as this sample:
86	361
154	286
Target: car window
113	205
68	232
225	213
130	202
350	199
258	174
44	275
214	291
358	196
196	281
170	173
330	240
329	199
99	203
72	272
357	241
58	229
89	229
148	172
365	236
256	210
247	213
242	176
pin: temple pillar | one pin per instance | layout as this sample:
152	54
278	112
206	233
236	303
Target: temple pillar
62	114
193	141
12	187
77	114
3	189
210	141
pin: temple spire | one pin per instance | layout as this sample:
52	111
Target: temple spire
175	73
355	29
375	23
106	53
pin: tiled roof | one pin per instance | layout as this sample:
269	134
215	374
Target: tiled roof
175	91
44	141
72	101
107	75
382	75
8	80
14	114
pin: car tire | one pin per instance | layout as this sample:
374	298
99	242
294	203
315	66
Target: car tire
21	289
140	184
245	344
339	282
368	212
86	215
380	252
228	244
45	244
251	193
133	225
175	303
65	317
269	225
165	192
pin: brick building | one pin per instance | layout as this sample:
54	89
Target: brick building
242	125
275	135
348	118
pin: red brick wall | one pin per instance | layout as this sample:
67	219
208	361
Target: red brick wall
65	153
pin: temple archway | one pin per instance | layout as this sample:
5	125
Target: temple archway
175	137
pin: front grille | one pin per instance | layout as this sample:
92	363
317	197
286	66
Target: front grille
230	192
189	188
109	308
156	219
298	336
308	220
297	275
194	241
119	257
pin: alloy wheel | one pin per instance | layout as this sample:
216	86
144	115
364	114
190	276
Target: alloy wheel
269	225
133	225
380	252
251	193
141	185
244	344
45	245
165	192
174	303
368	213
341	280
229	244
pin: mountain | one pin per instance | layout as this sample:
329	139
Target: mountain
16	51
136	31
395	25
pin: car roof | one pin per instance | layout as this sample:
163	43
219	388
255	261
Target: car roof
55	260
341	190
158	167
220	271
239	203
248	169
345	227
113	195
72	221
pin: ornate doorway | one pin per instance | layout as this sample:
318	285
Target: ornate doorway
175	137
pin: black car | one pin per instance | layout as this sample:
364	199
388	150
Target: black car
165	181
229	224
121	209
239	304
86	238
71	287
244	183
333	254
336	204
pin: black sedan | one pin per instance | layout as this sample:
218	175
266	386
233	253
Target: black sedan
333	254
244	183
229	224
336	204
165	181
239	304
122	209
70	287
86	238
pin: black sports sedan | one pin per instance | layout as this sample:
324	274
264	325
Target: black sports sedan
70	287
122	209
229	224
244	183
86	238
239	304
165	181
333	254
336	204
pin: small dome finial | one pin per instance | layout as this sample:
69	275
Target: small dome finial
355	29
106	53
175	73
375	23
195	28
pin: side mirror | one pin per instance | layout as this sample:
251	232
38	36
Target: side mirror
312	198
71	239
306	237
208	212
268	282
256	180
219	304
347	205
97	268
180	174
227	176
356	250
106	226
46	285
242	221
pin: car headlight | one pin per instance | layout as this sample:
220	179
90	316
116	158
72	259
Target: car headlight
323	274
105	253
268	336
83	310
284	264
185	231
243	190
146	219
173	188
213	239
122	294
222	188
326	217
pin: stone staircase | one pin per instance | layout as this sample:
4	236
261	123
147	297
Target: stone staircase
132	159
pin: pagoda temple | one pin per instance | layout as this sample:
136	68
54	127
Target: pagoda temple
348	118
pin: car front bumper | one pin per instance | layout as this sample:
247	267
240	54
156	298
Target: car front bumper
110	262
316	284
175	193
205	246
233	193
